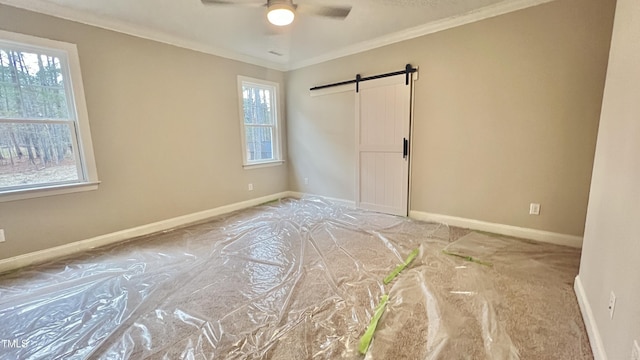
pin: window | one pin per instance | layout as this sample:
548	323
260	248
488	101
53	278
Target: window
45	144
259	117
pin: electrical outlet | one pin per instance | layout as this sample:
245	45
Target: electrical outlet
2	239
306	181
250	187
612	304
534	209
635	353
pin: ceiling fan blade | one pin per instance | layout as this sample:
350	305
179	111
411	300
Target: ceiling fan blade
338	12
256	3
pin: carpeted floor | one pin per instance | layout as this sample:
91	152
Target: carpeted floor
299	279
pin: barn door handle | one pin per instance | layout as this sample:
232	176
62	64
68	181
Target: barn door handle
405	148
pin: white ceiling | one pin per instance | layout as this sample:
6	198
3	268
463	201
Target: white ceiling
242	33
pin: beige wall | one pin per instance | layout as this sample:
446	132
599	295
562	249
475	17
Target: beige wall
506	113
165	129
611	240
321	140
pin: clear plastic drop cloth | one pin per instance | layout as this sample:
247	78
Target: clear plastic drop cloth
298	279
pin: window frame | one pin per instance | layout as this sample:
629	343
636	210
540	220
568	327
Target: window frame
276	135
80	130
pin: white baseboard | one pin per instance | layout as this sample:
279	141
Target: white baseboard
83	245
106	239
343	202
589	321
515	231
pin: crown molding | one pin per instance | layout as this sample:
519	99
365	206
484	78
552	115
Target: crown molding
82	17
163	37
426	29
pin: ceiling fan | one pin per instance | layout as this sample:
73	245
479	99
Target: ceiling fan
282	12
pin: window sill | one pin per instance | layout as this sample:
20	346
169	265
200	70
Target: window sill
47	191
263	164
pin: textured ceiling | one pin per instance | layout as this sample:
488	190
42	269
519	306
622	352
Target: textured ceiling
243	33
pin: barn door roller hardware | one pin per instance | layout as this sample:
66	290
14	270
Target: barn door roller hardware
408	70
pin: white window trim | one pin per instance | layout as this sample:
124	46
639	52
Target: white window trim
77	98
262	164
277	136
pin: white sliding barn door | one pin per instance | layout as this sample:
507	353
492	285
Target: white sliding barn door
383	111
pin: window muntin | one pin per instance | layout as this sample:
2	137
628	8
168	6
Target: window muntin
44	134
259	115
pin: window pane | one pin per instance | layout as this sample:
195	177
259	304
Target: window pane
257	105
44	103
31	86
36	153
10	104
259	143
6	75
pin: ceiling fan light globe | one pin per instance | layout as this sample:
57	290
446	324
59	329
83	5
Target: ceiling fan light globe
280	15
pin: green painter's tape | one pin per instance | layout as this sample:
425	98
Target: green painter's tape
365	340
401	267
468	258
